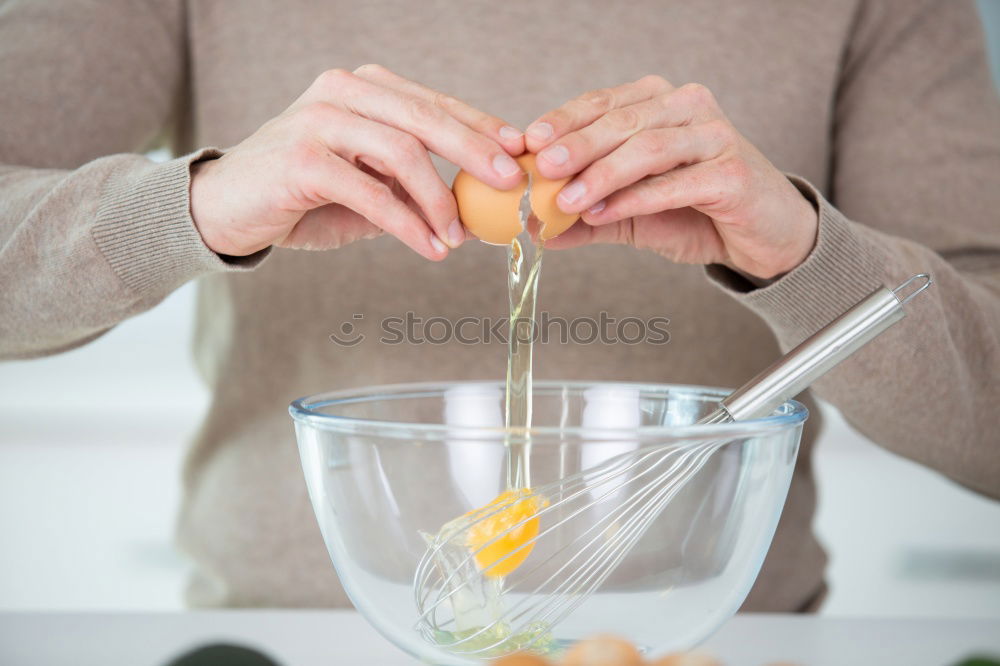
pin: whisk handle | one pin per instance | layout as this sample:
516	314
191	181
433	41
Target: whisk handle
796	370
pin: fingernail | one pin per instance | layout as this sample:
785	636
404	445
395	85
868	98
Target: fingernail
597	207
438	245
456	234
555	154
508	132
505	165
572	192
540	130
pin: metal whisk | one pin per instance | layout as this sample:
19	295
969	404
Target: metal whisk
642	483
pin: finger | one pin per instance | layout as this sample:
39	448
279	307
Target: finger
328	228
401	156
587	108
620	232
333	180
581	234
688	105
481	156
651	152
682	235
706	185
508	136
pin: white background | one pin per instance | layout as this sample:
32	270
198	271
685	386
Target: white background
91	443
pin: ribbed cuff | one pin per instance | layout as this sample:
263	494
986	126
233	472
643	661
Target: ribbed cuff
145	231
842	268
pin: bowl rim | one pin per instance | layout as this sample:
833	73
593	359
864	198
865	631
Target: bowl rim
303	411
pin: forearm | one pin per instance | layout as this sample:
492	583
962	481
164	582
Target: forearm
927	388
85	249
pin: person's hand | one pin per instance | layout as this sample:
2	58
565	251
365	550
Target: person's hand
662	168
349	160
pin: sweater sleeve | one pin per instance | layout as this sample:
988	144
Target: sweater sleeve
91	233
915	187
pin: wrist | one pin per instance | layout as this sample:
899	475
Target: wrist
197	198
799	233
805	228
203	203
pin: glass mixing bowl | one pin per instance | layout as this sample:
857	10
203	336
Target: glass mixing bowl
387	466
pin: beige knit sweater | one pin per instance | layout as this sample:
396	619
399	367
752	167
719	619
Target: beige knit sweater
884	107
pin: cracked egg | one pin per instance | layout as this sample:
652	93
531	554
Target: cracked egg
493	215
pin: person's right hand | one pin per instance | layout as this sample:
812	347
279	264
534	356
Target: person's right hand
349	160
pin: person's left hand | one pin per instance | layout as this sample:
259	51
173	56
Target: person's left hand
662	168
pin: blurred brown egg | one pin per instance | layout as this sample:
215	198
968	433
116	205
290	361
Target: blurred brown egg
493	215
522	659
603	651
686	659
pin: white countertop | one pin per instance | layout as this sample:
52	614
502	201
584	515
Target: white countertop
314	638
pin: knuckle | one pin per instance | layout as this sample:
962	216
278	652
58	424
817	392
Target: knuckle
625	120
406	148
663	101
377	195
601	100
558	118
579	143
648	143
698	93
655	82
444	203
598	173
333	78
472	145
444	101
424	112
371	70
720	132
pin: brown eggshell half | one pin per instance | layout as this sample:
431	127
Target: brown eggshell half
490	214
543	200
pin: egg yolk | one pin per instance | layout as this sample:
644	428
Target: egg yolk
500	538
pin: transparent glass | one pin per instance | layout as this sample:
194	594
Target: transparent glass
386	466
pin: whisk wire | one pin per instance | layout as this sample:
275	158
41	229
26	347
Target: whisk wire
428	562
601	563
